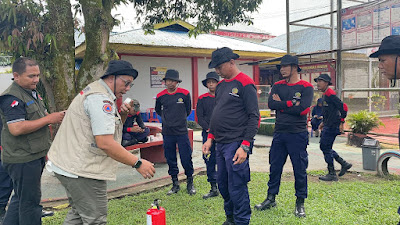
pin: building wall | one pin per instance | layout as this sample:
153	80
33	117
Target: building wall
142	90
146	95
203	70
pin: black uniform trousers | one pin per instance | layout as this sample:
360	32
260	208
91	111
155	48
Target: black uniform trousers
232	183
294	145
6	187
25	205
328	136
210	161
185	154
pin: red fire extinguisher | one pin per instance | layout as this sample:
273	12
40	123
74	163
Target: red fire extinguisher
156	214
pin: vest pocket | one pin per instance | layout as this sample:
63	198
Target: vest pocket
39	141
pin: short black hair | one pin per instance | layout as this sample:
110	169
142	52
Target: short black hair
20	64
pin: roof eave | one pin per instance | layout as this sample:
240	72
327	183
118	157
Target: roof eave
175	51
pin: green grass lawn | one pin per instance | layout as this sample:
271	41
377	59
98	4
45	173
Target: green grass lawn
355	199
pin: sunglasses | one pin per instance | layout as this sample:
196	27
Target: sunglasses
127	83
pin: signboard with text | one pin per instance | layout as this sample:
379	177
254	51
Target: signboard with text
369	23
311	71
156	76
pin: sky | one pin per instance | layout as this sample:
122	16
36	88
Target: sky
271	15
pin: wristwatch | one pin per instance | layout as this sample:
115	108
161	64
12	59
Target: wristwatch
137	164
245	148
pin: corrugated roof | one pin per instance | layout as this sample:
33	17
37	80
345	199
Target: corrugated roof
304	41
243	28
181	39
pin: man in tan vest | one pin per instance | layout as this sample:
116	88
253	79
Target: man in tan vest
25	140
86	149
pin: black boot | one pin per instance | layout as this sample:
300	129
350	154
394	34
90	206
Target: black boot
190	186
213	192
331	176
345	165
175	186
229	220
299	210
268	203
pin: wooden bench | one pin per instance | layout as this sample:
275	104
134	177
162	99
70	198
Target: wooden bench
153	151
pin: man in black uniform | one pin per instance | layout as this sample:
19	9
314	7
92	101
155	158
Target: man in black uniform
204	109
234	123
134	134
334	112
25	141
291	99
389	62
174	106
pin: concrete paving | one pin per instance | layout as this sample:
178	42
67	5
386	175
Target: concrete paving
130	181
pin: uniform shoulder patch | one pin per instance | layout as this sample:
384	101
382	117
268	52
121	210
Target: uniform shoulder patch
14	103
86	89
107	108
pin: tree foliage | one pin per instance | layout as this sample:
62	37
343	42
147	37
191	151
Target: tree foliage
43	30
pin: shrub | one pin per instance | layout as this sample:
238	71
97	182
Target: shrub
192	124
363	121
266	129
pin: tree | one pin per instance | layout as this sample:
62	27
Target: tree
44	31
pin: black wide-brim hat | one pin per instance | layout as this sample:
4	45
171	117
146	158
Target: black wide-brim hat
324	77
390	45
172	75
221	55
120	67
289	60
210	75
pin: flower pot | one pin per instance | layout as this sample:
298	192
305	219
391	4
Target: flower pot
355	139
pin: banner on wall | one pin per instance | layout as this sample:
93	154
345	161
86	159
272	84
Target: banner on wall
311	71
369	23
156	76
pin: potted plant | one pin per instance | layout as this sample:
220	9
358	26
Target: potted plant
360	124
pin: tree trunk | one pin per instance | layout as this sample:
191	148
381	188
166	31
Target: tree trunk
58	78
98	25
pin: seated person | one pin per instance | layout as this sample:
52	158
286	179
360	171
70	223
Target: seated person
316	117
134	134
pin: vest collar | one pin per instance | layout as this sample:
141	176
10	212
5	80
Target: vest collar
28	91
108	89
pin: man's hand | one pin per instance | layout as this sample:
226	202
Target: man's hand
321	125
206	146
146	169
341	128
240	156
127	108
276	97
137	129
56	117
